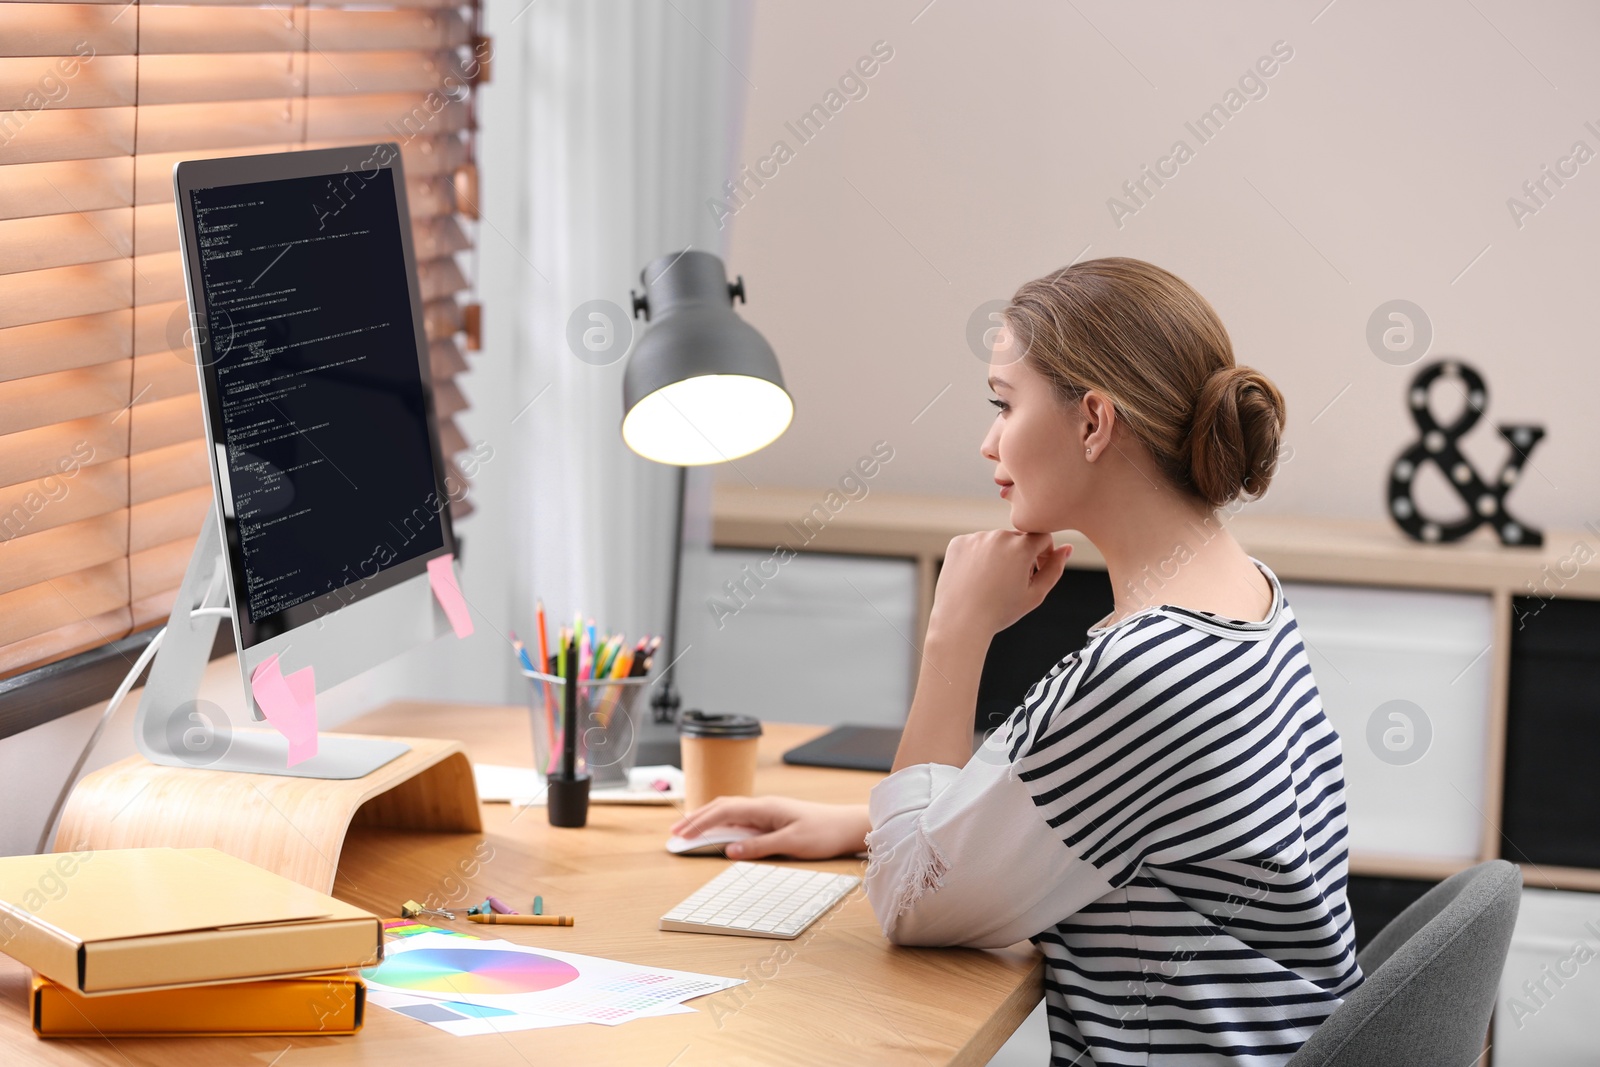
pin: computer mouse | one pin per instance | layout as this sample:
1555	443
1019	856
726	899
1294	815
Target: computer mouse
711	843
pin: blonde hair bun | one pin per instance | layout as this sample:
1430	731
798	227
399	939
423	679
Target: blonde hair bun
1233	443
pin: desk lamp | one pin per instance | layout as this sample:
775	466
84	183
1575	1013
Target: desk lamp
702	386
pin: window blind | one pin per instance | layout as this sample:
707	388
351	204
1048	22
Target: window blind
103	474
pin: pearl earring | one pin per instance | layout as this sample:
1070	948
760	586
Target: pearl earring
1088	453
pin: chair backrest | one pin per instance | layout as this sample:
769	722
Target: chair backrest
1431	978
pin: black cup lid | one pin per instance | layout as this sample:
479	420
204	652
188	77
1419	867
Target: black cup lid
696	723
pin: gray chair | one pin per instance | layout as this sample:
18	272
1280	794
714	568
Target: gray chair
1431	979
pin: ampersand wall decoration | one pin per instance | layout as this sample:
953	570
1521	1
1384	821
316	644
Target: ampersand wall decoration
1437	445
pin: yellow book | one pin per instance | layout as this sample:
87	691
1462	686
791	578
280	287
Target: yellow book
321	1005
128	920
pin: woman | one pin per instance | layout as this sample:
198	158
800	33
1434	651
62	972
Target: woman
1163	816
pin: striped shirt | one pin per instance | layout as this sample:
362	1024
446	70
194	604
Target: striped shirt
1163	817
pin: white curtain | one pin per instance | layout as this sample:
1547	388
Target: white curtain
633	118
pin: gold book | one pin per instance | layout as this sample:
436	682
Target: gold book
124	920
316	1006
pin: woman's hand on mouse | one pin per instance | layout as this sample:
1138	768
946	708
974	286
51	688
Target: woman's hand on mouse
991	579
803	829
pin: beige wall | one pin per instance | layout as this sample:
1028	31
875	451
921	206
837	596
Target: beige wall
1377	166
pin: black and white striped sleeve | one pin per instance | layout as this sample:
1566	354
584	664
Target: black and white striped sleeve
964	856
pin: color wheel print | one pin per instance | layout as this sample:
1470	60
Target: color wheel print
482	972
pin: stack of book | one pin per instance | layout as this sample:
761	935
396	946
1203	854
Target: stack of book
164	941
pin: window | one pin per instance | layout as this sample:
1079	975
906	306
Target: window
103	476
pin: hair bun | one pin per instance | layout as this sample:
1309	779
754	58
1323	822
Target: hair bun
1234	438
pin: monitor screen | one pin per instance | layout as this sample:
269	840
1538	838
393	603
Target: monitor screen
317	397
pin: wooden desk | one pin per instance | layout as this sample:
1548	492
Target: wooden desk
840	994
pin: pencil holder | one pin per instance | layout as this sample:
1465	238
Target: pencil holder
607	739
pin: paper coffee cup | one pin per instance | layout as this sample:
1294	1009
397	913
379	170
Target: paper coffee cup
719	756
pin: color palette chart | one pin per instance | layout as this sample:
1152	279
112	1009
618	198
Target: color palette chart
459	971
471	985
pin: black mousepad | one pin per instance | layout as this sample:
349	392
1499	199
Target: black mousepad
855	748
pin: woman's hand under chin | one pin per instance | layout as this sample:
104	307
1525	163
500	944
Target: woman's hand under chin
991	579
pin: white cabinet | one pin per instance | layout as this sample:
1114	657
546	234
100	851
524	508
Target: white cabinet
1405	678
1548	1011
816	639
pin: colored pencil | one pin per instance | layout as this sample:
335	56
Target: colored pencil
521	650
563	648
523	920
618	668
581	647
602	658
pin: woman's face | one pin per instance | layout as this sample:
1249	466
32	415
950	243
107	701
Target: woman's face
1036	443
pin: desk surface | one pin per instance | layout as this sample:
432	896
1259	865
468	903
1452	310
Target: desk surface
840	994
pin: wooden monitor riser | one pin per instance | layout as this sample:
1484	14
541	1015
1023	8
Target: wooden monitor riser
293	826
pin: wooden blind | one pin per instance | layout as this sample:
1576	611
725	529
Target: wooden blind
103	475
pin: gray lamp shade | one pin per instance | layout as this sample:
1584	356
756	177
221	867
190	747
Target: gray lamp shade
702	385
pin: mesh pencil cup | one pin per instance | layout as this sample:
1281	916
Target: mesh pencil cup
607	738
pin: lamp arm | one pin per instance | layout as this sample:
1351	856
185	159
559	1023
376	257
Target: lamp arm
665	702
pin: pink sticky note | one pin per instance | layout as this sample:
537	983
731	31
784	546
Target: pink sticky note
442	576
290	704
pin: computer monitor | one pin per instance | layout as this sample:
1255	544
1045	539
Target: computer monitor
329	485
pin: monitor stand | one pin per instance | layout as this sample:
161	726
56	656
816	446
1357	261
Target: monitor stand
294	826
183	793
173	729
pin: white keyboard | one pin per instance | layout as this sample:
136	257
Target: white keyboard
760	900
